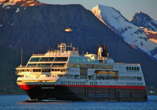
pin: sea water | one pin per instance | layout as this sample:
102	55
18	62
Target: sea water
18	102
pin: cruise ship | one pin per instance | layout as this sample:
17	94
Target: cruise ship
68	76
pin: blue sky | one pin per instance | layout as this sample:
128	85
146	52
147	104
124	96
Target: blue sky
126	7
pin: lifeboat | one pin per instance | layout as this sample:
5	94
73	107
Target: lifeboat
115	76
102	73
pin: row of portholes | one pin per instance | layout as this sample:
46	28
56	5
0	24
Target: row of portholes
93	83
134	84
74	71
73	83
131	72
138	78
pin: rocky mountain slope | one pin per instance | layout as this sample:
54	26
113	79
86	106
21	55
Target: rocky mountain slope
37	28
143	20
132	34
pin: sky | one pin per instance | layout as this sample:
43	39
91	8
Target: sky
127	7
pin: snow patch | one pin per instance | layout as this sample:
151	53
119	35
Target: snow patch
1	25
17	10
8	7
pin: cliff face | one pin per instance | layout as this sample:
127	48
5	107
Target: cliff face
37	28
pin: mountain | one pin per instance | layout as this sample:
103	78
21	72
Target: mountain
10	59
143	20
132	34
36	28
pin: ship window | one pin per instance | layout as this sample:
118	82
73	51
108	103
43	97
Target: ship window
128	77
133	78
62	70
77	82
139	78
36	70
132	68
83	65
44	65
47	59
89	60
121	77
95	61
141	84
101	66
83	60
74	59
34	59
45	70
58	64
73	65
62	83
31	65
89	66
96	66
69	76
95	83
60	75
124	77
107	66
61	59
76	76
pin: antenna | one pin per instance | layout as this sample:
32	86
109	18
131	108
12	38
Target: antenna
21	56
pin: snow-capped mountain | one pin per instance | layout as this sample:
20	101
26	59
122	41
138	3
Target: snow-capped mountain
144	20
7	4
132	34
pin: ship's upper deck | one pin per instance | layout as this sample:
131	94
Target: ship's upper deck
61	58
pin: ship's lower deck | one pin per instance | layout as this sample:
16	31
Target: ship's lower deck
86	93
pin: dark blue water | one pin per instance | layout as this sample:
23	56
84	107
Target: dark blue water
17	102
